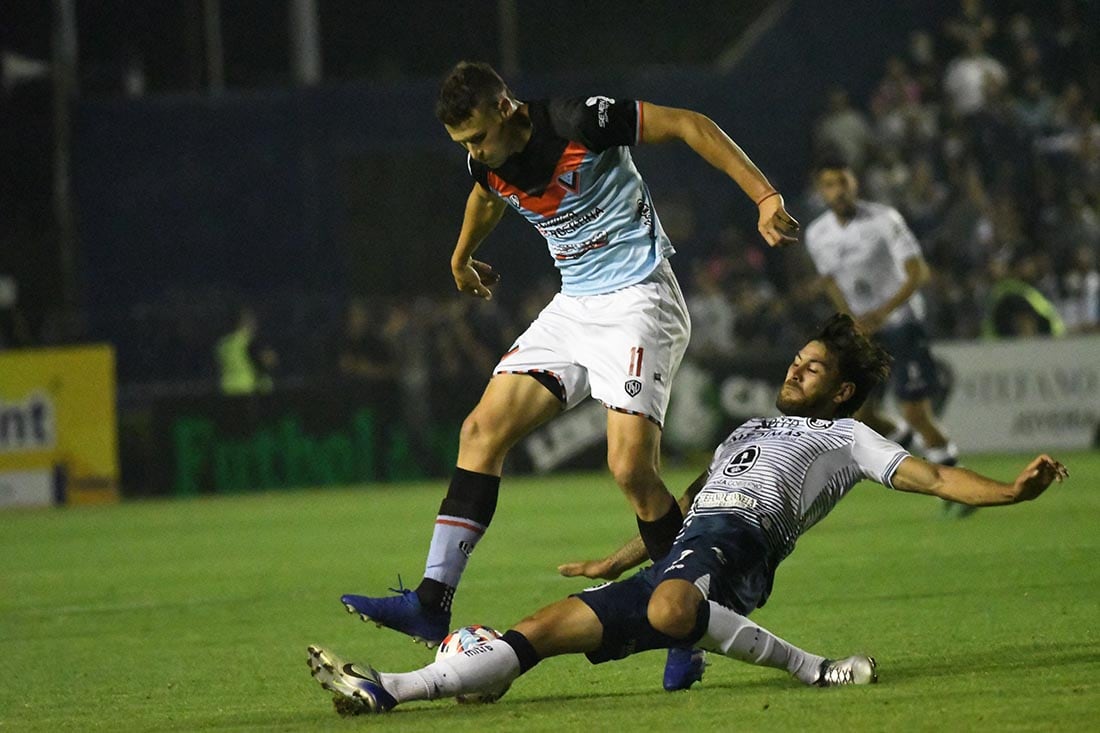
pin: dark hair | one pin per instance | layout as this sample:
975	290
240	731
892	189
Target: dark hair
469	85
861	361
831	162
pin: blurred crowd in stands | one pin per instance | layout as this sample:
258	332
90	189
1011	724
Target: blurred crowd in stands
984	133
986	137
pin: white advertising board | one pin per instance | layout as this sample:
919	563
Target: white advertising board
1023	395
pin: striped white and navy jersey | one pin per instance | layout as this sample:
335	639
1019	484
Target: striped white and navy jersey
784	474
866	257
576	182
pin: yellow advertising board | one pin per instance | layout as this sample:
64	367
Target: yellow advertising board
58	428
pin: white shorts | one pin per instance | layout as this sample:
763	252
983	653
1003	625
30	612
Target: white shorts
622	348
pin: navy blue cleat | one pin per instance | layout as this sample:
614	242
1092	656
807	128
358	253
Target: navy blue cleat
403	613
683	668
356	689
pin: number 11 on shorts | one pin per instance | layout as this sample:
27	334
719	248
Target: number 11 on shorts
636	353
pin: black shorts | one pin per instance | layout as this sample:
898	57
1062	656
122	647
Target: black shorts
720	554
913	374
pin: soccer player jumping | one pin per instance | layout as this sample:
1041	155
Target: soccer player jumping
771	480
615	332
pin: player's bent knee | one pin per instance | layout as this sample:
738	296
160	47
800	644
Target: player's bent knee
632	475
672	616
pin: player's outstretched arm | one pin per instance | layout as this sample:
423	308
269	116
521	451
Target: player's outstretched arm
483	212
630	555
968	487
661	124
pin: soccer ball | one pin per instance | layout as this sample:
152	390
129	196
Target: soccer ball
462	640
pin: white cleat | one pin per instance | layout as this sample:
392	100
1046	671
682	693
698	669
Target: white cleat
854	670
356	689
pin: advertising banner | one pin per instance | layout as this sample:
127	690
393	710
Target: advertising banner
1023	395
293	438
58	433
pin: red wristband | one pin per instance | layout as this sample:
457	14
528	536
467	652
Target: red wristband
768	196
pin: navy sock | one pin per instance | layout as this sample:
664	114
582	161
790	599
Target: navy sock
526	653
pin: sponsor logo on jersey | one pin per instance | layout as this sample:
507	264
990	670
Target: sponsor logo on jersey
645	213
710	499
513	199
602	104
567	251
632	387
742	461
816	423
566	224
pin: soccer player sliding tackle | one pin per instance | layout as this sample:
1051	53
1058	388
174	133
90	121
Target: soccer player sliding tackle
770	480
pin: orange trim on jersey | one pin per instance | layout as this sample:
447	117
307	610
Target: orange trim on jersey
509	352
547	204
464	525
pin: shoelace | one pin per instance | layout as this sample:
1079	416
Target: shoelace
400	586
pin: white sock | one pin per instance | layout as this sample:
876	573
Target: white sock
901	433
947	454
453	539
735	636
485	667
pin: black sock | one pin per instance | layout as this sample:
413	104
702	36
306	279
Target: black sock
471	495
659	534
434	595
526	653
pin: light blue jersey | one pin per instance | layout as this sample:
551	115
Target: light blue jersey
576	182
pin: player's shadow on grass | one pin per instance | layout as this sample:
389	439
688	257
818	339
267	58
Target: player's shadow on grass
997	659
817	600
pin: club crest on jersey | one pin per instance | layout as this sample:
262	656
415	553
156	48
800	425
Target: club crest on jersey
816	423
742	462
570	181
632	387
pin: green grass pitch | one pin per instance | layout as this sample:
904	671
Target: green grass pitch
195	615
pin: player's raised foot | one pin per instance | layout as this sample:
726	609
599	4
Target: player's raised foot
683	668
356	689
403	613
854	670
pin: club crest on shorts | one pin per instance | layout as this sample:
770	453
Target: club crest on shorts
632	387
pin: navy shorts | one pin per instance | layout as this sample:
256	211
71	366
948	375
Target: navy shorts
913	375
720	554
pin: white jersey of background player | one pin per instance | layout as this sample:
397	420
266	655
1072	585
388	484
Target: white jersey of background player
866	258
873	267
